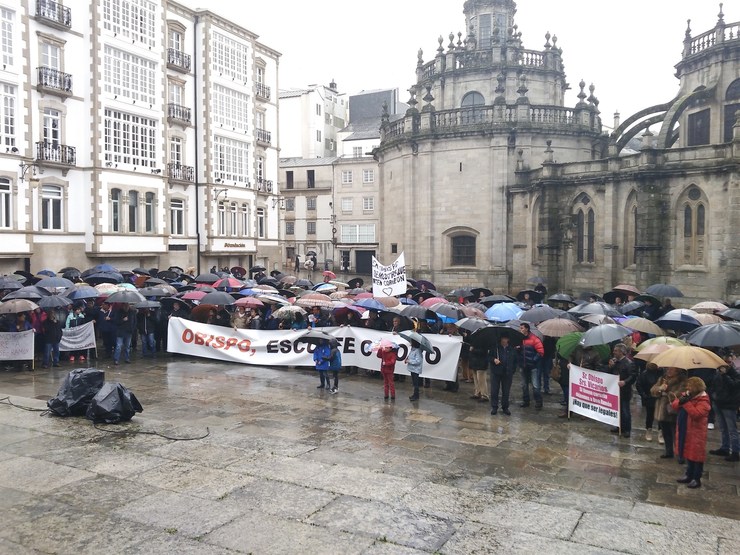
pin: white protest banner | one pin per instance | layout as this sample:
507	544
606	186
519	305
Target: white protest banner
389	281
16	345
594	395
79	338
283	347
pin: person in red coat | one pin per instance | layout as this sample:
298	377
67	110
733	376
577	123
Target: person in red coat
388	354
695	402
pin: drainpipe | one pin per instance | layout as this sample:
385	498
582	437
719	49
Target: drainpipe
196	119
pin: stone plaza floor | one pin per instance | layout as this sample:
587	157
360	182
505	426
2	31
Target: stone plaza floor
287	468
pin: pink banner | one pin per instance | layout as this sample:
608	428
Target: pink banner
594	395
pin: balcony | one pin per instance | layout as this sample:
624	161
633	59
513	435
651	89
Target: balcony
264	137
263	91
56	155
178	60
178	172
264	185
54	14
54	81
178	114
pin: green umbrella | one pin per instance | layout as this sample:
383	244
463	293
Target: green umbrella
568	343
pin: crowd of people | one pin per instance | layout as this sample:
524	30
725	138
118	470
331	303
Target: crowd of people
683	402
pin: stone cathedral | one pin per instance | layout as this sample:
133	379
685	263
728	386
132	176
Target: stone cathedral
490	179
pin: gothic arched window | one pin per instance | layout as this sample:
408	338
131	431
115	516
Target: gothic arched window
732	108
692	245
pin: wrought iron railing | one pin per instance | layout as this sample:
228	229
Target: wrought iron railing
51	78
178	172
175	111
264	136
56	153
264	185
178	59
263	91
54	12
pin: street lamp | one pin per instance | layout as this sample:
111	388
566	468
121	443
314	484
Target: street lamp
33	166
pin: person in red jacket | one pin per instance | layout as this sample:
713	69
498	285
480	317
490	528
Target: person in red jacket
388	354
532	352
695	402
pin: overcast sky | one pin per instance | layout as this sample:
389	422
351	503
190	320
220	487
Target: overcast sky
626	48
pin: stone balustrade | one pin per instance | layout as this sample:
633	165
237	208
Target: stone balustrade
481	117
720	34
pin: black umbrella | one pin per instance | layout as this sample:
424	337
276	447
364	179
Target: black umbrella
168	275
310	253
148	304
663	290
419	312
461	292
595	308
141	271
587	296
491	300
69	269
238	272
355	283
168	302
317	336
560	298
153	282
478	290
490	336
154	292
207	278
477	306
10	284
269	281
715	335
218	298
258	268
127	296
731	314
303	283
54	301
541	313
72	275
29	292
472	324
103	277
631	306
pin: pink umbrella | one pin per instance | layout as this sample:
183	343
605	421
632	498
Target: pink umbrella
364	295
194	295
432	301
329	274
250	302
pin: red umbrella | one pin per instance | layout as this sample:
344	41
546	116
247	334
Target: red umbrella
194	295
229	282
329	274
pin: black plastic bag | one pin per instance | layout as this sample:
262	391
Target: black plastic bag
113	403
77	390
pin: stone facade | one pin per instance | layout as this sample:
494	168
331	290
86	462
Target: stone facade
484	185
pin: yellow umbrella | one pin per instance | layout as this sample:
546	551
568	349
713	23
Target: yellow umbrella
644	325
665	340
649	353
688	357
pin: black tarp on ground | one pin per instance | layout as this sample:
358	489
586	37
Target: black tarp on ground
112	404
77	390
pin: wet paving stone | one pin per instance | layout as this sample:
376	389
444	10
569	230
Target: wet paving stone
284	468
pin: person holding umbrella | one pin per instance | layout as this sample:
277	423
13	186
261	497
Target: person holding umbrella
415	361
322	358
726	400
74	319
627	372
107	328
502	374
51	332
125	322
146	324
668	387
532	352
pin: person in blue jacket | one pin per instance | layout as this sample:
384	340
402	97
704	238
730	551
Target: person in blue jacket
322	358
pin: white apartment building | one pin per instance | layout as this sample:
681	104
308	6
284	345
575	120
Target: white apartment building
136	132
310	119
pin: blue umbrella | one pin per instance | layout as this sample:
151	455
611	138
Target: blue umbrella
371	304
406	300
81	292
47	273
503	312
104	268
54	283
678	320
